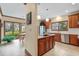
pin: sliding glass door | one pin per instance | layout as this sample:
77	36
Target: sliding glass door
16	29
8	28
12	28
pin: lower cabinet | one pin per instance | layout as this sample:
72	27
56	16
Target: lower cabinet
41	46
58	37
52	42
73	39
67	38
45	44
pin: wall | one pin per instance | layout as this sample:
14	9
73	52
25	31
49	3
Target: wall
70	30
30	41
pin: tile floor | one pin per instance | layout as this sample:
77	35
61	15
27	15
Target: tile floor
62	49
15	48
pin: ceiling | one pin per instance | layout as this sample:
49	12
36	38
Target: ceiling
49	10
45	10
13	9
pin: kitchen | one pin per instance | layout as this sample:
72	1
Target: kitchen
56	28
63	29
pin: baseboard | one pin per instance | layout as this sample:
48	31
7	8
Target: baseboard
27	53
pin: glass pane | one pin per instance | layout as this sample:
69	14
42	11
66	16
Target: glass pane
23	28
8	28
16	29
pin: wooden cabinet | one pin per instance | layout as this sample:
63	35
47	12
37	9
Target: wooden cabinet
58	37
47	24
73	39
45	44
41	44
52	42
73	21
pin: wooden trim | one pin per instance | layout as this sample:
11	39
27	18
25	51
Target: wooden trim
13	17
27	53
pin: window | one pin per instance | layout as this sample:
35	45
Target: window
8	28
16	29
55	26
23	28
60	26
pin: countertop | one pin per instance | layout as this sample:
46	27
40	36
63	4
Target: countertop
64	32
45	36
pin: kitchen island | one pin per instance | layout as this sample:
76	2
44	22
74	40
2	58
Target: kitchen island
45	43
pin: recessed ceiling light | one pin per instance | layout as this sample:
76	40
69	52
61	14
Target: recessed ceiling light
38	17
46	9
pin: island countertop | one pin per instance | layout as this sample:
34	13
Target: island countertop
45	36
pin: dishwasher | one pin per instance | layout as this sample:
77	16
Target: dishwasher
65	38
62	38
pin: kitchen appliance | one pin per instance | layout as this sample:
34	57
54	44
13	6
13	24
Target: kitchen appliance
65	38
42	29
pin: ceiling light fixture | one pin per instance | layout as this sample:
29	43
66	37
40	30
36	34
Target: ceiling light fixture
38	17
47	19
58	18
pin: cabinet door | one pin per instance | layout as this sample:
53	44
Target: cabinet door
73	39
70	21
41	46
73	21
51	42
47	43
58	37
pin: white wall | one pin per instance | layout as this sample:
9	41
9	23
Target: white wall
30	41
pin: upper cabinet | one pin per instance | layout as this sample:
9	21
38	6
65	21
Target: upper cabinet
47	24
74	21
